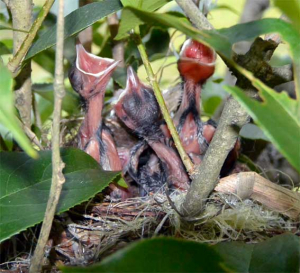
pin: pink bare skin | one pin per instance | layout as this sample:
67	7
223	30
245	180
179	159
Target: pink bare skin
196	65
89	77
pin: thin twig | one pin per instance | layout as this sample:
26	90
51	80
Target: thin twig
58	178
31	135
15	63
159	97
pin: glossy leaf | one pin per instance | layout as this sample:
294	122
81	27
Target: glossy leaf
159	255
149	5
278	254
7	111
291	9
127	23
25	185
278	116
157	50
71	102
4	49
75	22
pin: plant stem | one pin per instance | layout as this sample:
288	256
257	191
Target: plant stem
21	12
58	178
184	157
194	14
14	64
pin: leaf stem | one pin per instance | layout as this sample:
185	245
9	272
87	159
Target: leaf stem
15	63
58	178
157	92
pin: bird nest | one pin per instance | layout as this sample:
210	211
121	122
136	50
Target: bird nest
96	230
93	230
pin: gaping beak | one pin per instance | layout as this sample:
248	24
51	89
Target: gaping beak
197	61
92	65
91	73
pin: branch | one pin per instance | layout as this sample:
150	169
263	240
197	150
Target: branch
15	63
58	178
194	14
281	75
31	135
162	105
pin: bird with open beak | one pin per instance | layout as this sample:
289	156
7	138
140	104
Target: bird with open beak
196	64
138	109
89	77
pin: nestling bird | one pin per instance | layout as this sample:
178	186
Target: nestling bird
89	77
138	109
196	65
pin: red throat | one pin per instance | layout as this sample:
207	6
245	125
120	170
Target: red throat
197	61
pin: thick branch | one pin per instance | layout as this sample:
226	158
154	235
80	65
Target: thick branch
159	97
281	75
57	165
207	174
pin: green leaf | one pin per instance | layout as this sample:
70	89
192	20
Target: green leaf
71	101
221	40
75	22
251	131
128	23
121	182
149	5
277	115
25	185
226	7
278	254
159	255
7	111
157	50
291	9
4	49
120	76
46	60
211	104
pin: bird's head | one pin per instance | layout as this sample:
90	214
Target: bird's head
137	107
196	62
90	74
